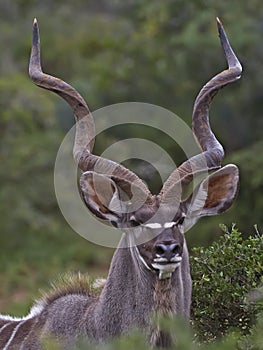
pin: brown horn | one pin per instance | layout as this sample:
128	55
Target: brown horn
213	152
85	129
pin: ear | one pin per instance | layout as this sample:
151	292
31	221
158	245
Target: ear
215	194
109	197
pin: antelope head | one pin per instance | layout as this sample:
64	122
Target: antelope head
154	224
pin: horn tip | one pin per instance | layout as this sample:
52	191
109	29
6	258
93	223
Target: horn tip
231	58
34	64
219	25
35	32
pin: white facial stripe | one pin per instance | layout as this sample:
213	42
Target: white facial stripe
169	224
141	258
155	225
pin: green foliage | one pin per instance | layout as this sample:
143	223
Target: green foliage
251	184
156	52
234	340
247	211
159	52
223	276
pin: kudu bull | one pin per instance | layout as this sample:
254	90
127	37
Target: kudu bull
147	278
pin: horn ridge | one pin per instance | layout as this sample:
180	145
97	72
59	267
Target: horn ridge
212	150
85	128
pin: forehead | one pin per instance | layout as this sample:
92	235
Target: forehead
161	215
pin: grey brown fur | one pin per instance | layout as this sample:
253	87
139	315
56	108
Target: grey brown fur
149	276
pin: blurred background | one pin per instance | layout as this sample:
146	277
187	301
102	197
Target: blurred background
159	52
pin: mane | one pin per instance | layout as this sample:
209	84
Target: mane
71	283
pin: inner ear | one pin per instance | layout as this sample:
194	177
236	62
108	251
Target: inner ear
101	196
222	190
215	194
110	197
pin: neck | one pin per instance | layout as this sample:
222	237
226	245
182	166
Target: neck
133	295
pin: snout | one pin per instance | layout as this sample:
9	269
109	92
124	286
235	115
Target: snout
166	252
167	258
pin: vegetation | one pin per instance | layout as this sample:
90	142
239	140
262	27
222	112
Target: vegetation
160	52
226	279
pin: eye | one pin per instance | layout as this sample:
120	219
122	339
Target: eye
134	222
180	221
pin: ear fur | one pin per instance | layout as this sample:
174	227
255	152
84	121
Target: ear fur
97	192
215	194
109	197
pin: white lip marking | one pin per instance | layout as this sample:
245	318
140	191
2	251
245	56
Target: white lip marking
165	271
167	267
158	260
176	259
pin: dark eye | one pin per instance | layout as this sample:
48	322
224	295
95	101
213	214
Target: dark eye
134	222
180	221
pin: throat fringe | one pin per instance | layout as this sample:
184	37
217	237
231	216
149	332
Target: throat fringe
164	308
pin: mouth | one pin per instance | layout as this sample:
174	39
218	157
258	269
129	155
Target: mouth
165	268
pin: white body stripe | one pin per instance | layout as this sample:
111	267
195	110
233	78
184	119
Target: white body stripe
27	336
13	335
4	326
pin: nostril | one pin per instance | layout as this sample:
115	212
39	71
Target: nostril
175	249
167	251
160	249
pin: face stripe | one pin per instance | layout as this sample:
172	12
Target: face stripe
169	224
155	225
141	258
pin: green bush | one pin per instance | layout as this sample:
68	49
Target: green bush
224	277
